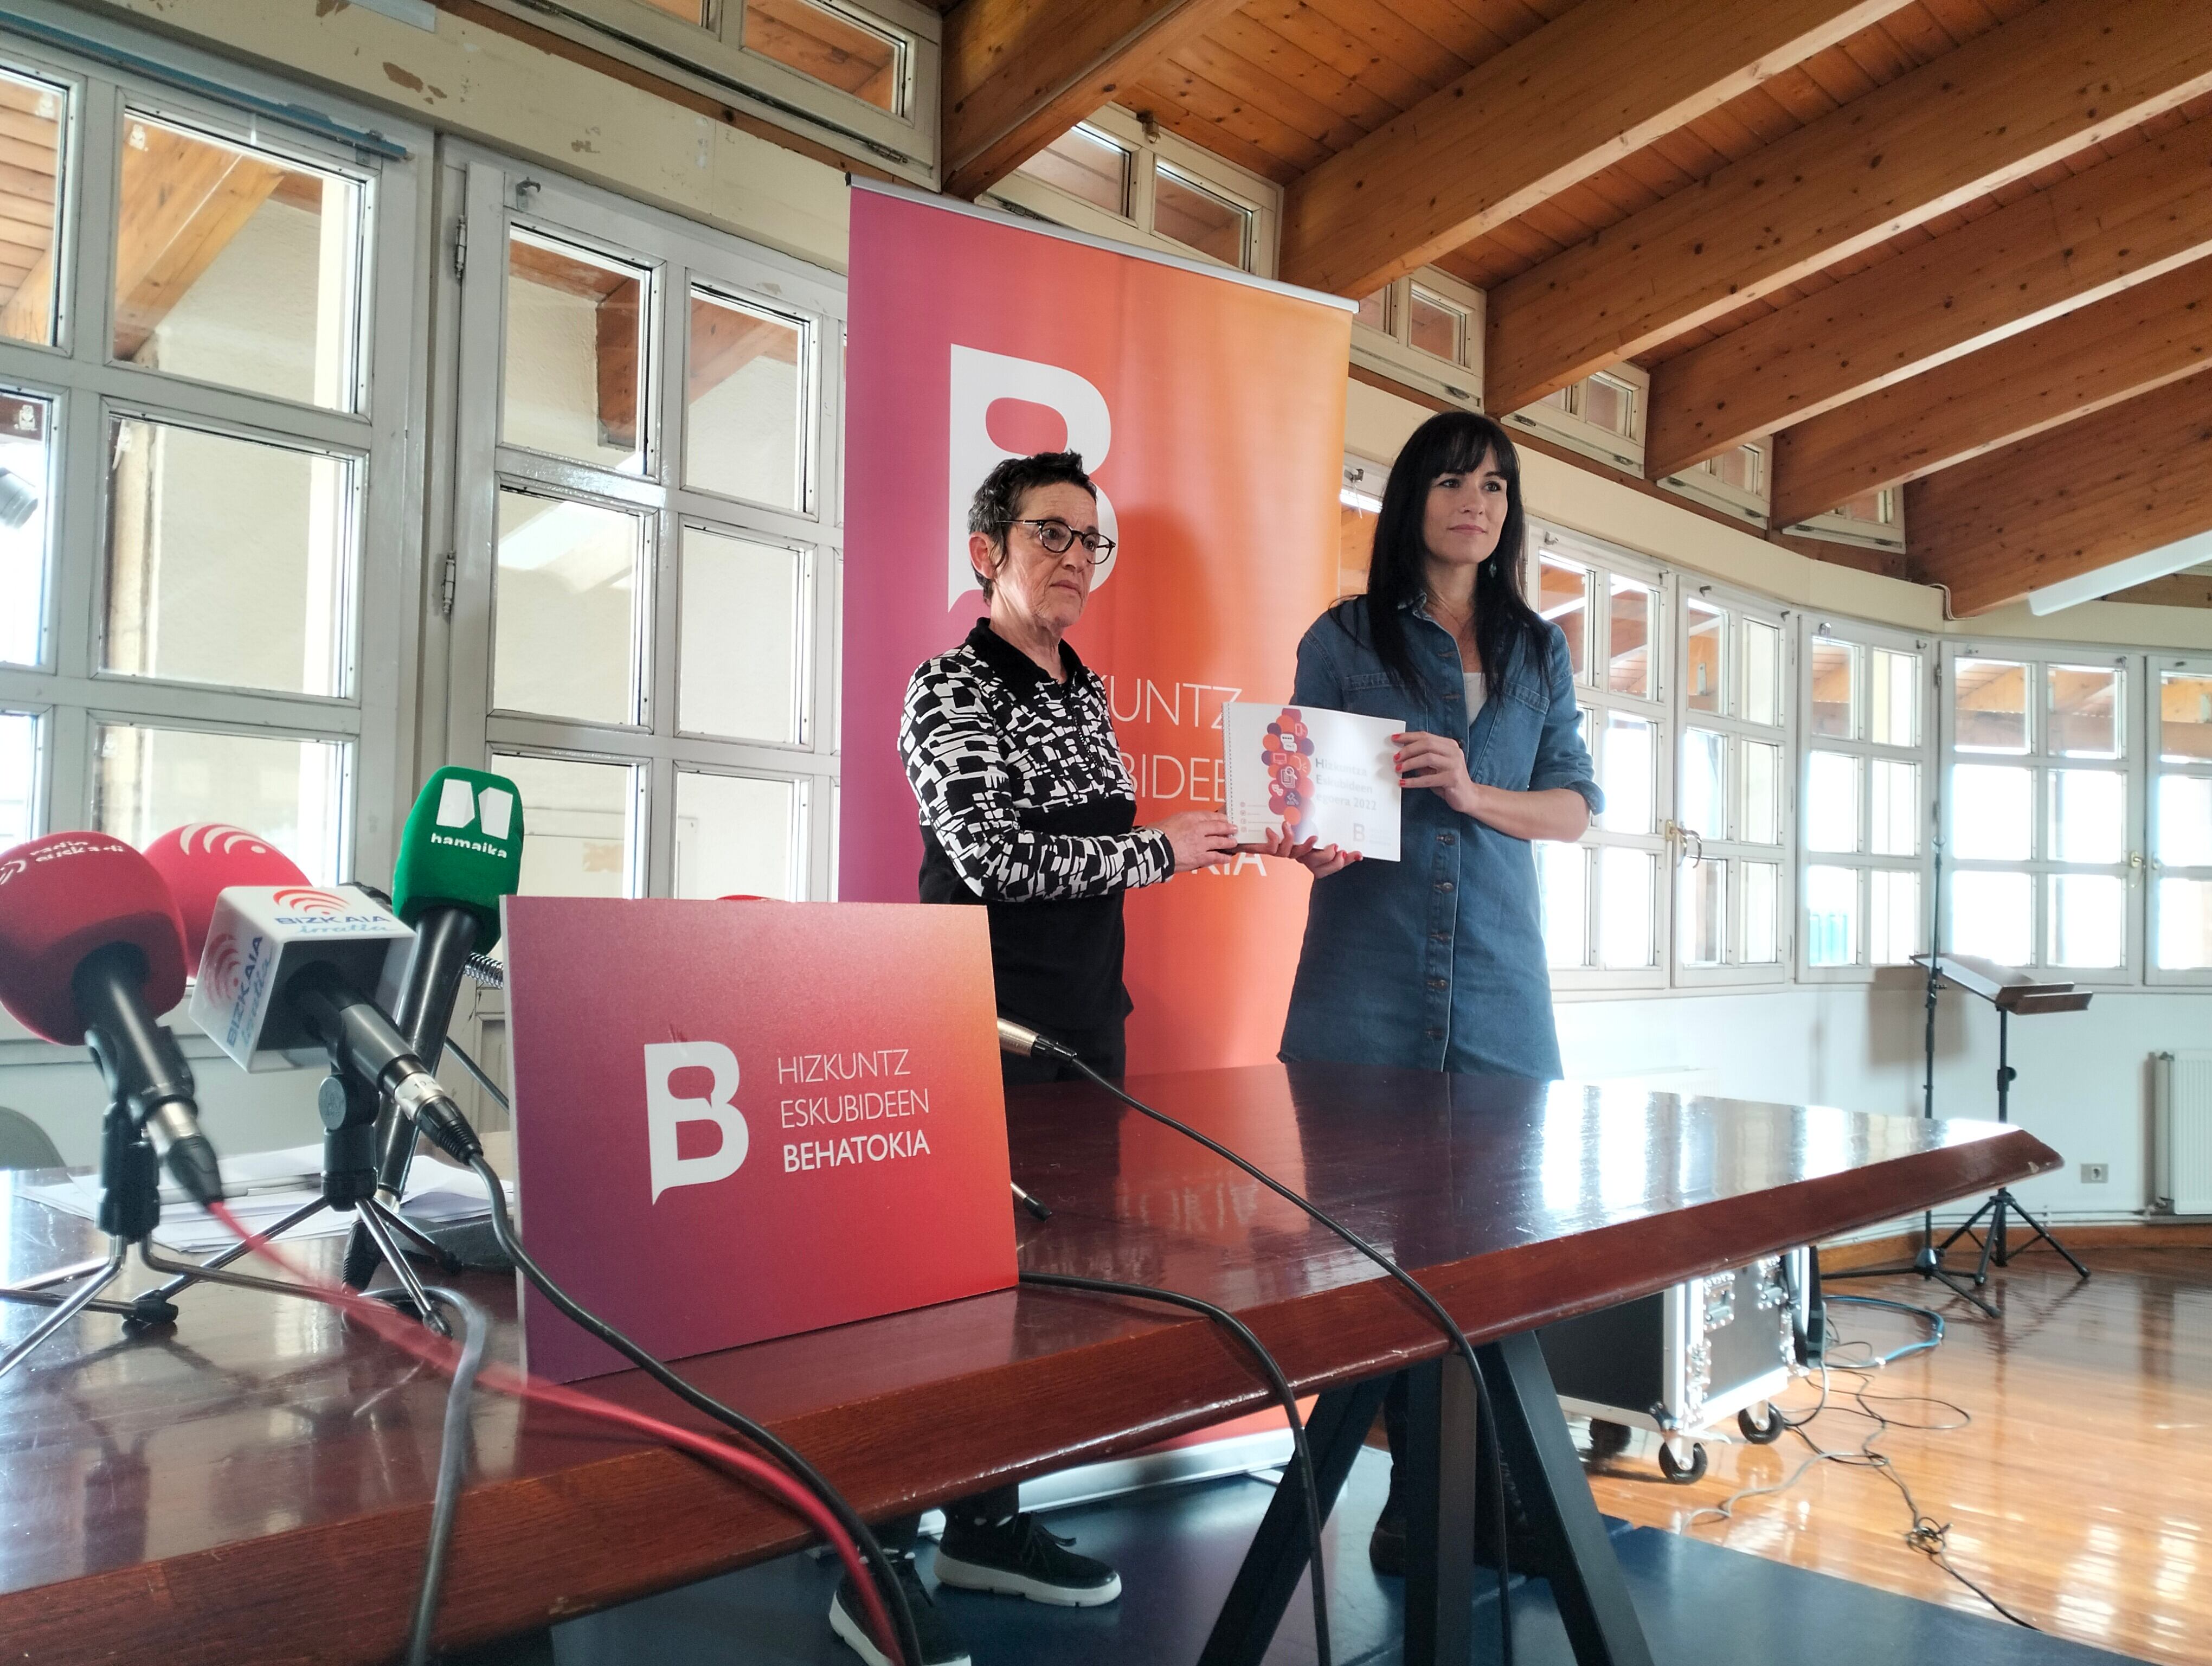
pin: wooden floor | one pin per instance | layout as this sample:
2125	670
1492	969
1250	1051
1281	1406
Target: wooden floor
2079	1496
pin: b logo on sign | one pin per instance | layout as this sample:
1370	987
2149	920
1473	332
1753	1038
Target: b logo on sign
978	380
666	1110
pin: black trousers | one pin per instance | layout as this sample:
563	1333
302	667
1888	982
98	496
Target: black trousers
1107	1052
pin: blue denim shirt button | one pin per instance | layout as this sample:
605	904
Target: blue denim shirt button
1444	884
1446	838
1439	983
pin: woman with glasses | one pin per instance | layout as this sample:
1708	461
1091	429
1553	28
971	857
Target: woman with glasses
1027	809
1436	961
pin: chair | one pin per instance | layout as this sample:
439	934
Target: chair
24	1143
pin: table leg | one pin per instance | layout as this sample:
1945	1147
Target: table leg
1566	1541
1440	1505
1269	1577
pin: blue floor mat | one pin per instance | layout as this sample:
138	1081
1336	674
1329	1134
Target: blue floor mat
1179	1550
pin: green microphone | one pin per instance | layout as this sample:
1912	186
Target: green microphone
461	851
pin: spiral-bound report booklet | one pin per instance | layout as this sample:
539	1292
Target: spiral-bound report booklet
1312	773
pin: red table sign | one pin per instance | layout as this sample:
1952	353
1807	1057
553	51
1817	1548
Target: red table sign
739	1119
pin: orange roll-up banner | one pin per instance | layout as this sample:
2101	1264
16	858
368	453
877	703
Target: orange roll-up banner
1209	409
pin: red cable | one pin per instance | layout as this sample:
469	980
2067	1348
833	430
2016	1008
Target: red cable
427	1346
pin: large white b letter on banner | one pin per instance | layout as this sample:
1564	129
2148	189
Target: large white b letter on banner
665	1110
979	380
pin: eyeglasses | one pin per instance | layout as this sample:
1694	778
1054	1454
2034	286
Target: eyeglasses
1057	536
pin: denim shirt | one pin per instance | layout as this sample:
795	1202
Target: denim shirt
1436	961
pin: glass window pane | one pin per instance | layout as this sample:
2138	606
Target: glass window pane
1992	814
582	819
1610	405
574	383
1194	217
1832	801
1704	783
1835	688
739	835
1832	916
831	47
1704	657
1086	164
1633	606
292	793
19	734
1703	930
2085	712
1762	673
1892	917
1437	326
35	112
2185	821
1625	896
2184	924
229	561
1626	770
738	673
1375	310
2088	815
2086	919
1761	917
1563	597
2184	711
26	482
237	266
1992	916
1762	797
1989	700
1894	791
1893	698
564	640
1563	871
1744	468
744	422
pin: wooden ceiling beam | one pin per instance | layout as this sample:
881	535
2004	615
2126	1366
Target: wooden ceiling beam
1581	93
2123	222
2069	370
2027	93
1019	73
2132	478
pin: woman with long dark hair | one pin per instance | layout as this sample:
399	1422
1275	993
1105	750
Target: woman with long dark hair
1436	961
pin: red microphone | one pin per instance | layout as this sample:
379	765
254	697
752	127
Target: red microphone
181	856
92	951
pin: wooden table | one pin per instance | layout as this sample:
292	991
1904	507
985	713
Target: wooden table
255	1485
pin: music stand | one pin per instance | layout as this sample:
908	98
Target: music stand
2009	990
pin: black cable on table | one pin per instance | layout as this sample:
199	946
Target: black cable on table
502	1226
452	1464
1301	1453
1486	1420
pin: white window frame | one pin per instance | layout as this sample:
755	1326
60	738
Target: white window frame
1689	845
2038	656
2154	771
710	59
1595	700
1391	352
1570	428
1701	482
1151	146
1887	533
68	689
483	186
1925	753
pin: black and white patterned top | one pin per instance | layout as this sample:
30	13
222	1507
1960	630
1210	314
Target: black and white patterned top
1027	807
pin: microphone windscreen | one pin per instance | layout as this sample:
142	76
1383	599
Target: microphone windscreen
64	896
462	848
201	861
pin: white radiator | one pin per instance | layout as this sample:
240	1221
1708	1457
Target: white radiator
2183	1133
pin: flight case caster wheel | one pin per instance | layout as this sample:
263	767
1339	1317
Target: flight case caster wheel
1758	1433
1673	1469
1608	1440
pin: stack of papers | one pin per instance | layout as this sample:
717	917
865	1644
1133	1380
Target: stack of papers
264	1187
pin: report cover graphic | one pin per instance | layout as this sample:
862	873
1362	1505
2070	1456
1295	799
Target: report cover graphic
1313	773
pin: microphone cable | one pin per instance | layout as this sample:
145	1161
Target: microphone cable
1301	1453
452	1465
1486	1420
